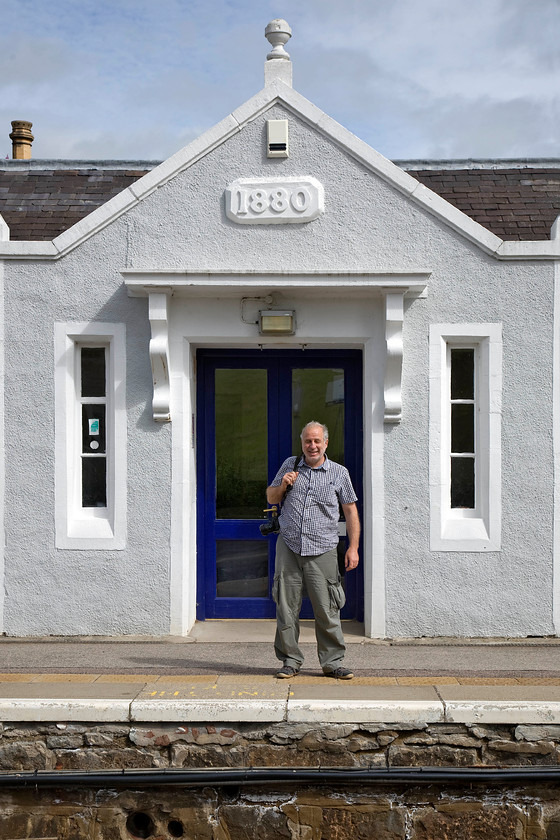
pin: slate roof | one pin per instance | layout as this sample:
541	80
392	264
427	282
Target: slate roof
514	203
514	200
39	204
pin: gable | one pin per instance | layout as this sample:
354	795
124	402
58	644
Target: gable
450	201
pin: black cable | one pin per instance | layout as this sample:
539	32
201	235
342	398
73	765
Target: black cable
222	777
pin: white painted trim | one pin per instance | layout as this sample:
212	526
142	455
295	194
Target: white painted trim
481	531
183	568
104	528
159	354
2	449
235	281
556	449
394	316
277	92
375	596
183	571
183	408
391	706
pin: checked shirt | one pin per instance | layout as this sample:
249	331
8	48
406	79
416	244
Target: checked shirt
310	512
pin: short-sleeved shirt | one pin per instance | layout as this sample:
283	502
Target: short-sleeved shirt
310	511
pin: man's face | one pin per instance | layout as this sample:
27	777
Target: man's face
314	445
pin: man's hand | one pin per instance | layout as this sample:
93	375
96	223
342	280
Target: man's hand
353	531
289	480
275	495
351	559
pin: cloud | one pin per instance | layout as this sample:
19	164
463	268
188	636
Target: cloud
410	78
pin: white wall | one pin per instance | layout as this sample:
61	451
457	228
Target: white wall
367	226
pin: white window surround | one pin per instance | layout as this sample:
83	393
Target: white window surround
463	529
78	527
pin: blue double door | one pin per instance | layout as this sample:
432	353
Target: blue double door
251	408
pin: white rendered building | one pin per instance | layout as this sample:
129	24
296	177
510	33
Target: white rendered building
161	354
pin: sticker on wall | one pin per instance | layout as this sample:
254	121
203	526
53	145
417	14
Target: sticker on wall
94	427
274	201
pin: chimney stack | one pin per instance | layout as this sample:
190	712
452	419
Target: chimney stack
22	139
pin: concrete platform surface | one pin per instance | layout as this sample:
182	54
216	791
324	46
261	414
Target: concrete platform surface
265	699
225	671
234	647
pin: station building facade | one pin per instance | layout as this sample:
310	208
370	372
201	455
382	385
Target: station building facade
168	329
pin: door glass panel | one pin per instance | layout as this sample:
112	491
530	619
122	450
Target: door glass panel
241	569
241	443
318	394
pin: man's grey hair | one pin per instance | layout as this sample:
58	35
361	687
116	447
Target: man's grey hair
315	423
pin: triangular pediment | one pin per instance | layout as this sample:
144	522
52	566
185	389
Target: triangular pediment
278	92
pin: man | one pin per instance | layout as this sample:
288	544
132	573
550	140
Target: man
306	551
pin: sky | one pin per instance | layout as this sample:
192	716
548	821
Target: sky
416	79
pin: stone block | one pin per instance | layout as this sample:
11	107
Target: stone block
459	741
183	755
100	759
24	755
362	823
99	739
263	755
65	742
246	822
474	823
286	733
543	753
522	747
538	733
500	732
437	756
164	736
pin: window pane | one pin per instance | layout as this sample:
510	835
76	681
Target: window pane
94	482
93	428
462	428
318	394
93	371
241	569
462	483
462	374
241	443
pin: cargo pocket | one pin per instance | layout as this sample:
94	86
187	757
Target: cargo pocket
336	594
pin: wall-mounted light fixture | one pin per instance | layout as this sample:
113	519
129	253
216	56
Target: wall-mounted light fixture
277	322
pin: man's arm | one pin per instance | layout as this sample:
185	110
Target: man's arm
274	495
353	532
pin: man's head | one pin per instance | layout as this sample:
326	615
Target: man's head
314	442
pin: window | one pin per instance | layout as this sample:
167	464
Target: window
462	407
465	416
90	436
93	403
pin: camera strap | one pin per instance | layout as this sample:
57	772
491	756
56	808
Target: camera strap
298	461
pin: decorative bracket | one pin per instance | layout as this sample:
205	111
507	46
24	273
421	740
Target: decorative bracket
394	316
159	354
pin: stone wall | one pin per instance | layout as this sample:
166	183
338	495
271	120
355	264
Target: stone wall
388	811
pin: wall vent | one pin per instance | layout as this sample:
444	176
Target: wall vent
277	139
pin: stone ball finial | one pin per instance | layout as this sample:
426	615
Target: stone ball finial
278	33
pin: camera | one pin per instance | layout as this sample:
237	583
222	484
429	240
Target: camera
271	526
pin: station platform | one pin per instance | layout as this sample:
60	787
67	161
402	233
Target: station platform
225	671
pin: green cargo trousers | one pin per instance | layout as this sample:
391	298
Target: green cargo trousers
322	582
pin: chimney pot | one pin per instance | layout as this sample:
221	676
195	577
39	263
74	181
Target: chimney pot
22	139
